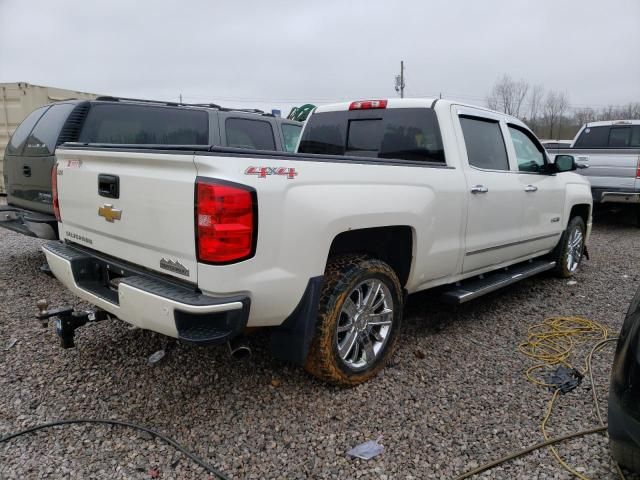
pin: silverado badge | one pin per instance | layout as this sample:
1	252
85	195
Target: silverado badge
174	266
109	213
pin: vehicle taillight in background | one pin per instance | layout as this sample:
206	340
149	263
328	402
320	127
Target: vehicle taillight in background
638	169
368	104
54	191
226	221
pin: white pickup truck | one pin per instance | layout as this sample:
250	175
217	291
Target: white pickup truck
383	198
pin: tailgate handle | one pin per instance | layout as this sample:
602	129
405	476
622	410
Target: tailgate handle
26	170
109	186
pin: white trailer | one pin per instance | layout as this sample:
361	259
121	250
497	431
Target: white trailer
17	100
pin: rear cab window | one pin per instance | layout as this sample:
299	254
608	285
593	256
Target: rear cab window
391	133
249	133
144	124
20	135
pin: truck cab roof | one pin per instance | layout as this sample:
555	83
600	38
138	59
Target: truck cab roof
408	103
609	123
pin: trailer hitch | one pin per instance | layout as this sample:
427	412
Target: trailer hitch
68	320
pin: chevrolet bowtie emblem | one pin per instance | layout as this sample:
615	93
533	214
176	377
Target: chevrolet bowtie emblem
109	213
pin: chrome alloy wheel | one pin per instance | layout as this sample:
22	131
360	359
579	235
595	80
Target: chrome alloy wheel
574	251
365	324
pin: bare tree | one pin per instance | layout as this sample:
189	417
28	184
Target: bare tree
584	115
555	106
535	104
550	114
630	111
563	106
507	95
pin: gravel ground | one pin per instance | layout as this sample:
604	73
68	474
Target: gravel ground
455	396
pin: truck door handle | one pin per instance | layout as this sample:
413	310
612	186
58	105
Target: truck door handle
479	189
26	170
530	188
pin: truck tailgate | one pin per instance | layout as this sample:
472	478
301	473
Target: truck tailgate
134	206
616	169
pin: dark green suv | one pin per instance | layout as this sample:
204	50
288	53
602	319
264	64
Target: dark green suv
30	154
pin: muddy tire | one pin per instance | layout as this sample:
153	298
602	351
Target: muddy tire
359	317
625	454
570	249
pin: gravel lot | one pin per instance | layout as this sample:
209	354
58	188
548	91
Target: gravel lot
454	398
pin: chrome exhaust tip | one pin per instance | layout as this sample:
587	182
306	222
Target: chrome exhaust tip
238	348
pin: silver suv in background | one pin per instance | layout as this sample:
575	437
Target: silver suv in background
29	156
611	150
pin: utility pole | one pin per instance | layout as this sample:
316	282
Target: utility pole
400	80
180	98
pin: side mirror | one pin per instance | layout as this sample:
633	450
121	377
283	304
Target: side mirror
565	163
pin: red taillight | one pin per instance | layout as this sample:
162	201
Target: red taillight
54	191
225	221
368	104
638	170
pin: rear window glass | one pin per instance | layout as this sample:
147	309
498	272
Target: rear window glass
395	133
247	133
19	137
142	124
290	134
593	137
44	137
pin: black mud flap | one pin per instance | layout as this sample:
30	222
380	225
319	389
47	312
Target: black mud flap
290	341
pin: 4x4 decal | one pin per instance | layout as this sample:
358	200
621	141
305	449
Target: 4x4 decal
262	172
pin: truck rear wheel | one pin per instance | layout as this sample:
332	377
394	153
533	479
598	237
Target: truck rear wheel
359	317
569	251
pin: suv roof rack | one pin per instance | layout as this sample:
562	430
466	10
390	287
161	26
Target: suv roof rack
110	98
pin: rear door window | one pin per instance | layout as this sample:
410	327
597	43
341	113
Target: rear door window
290	134
44	137
19	137
485	144
145	125
394	133
635	137
593	137
249	133
620	137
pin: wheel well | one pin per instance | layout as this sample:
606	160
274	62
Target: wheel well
393	245
581	210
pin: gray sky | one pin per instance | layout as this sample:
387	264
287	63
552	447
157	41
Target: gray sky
277	53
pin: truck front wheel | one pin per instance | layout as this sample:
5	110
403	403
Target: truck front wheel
570	249
359	317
